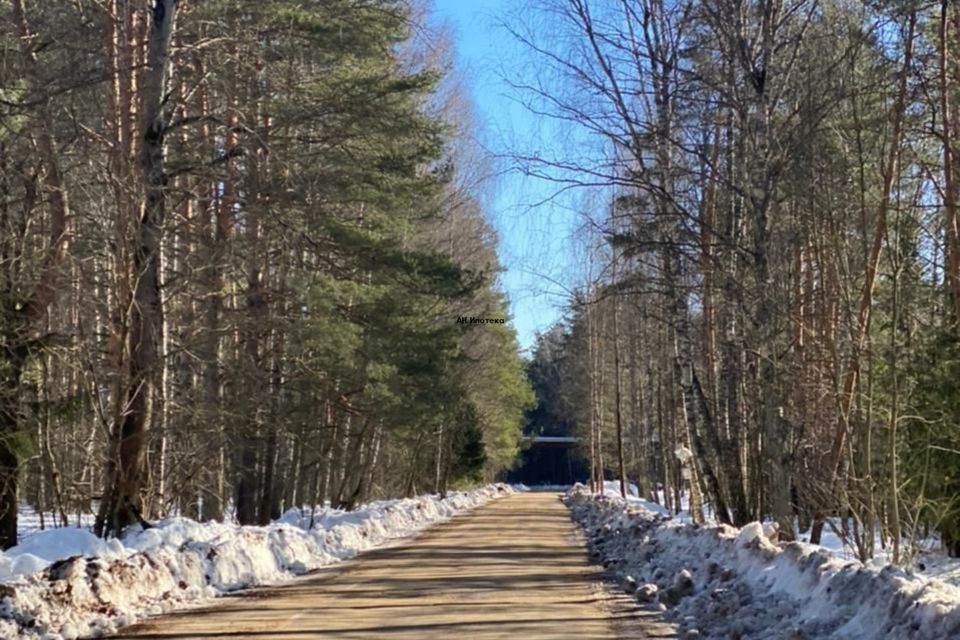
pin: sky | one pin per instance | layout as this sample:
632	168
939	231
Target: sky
535	237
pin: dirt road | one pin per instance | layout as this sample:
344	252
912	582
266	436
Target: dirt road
514	568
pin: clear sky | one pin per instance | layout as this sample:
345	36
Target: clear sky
535	239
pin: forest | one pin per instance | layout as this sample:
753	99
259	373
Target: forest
235	239
284	282
247	260
766	310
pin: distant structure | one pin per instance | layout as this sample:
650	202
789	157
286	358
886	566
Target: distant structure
551	454
549	460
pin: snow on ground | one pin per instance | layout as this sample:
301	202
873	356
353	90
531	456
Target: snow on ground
66	583
937	565
612	487
735	584
928	558
30	521
541	487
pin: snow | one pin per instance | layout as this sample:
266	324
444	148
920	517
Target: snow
67	583
929	560
612	487
936	565
751	532
540	487
746	587
29	520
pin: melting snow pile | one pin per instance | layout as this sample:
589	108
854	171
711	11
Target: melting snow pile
67	583
735	584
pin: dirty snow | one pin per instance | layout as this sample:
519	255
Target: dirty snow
66	583
735	584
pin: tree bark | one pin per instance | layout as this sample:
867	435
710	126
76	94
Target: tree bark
948	117
617	391
122	501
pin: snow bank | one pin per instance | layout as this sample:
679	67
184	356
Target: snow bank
81	586
744	587
612	487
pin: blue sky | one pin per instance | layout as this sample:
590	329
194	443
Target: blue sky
535	239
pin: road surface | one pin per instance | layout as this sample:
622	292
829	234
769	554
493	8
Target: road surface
514	569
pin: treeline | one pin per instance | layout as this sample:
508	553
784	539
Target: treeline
770	301
236	238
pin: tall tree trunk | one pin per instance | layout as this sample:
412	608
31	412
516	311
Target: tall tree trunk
949	26
617	391
258	203
639	432
761	180
248	483
122	501
214	240
438	459
592	349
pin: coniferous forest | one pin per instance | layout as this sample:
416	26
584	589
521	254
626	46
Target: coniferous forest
235	237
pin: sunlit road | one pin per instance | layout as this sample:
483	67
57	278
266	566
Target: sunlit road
512	569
